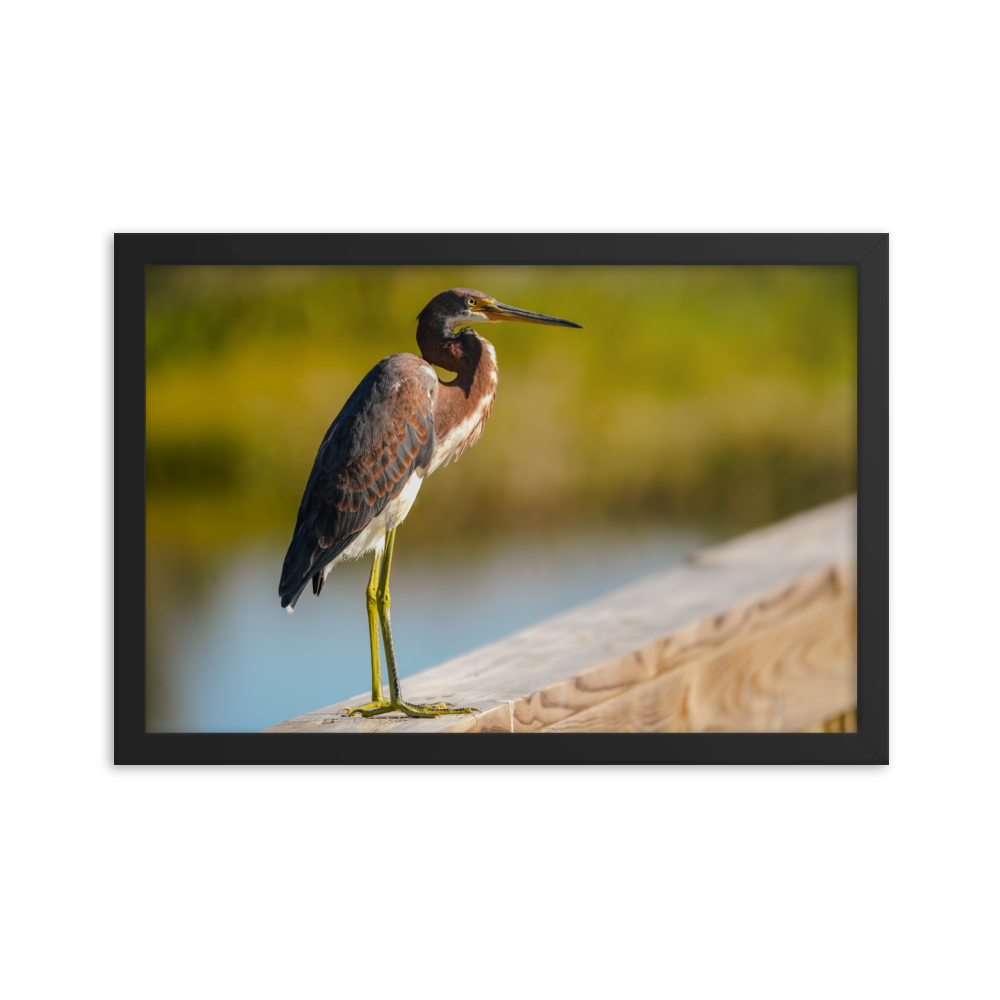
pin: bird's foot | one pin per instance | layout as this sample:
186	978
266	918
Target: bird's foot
372	707
431	711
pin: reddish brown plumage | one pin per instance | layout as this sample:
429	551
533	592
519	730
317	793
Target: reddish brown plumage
469	397
383	458
400	422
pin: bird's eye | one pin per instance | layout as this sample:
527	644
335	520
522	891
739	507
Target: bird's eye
472	302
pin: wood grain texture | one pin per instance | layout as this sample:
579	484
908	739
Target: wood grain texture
774	680
753	635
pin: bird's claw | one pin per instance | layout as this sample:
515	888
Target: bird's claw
372	706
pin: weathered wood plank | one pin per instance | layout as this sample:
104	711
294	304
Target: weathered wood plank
754	634
778	679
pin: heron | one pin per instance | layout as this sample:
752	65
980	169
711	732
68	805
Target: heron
399	425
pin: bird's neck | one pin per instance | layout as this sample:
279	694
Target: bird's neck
471	394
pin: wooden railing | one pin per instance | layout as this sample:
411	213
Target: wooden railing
756	635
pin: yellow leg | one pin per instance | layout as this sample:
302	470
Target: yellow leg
371	594
396	702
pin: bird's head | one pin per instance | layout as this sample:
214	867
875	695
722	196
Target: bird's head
450	310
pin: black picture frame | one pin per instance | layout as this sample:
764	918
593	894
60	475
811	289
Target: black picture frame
868	252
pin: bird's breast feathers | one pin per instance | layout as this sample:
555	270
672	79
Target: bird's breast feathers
462	435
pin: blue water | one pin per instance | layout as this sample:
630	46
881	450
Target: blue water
233	661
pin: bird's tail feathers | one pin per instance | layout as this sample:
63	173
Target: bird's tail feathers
303	564
288	602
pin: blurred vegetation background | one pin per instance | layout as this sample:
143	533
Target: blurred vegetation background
715	395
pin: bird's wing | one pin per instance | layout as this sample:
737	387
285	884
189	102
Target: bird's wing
382	436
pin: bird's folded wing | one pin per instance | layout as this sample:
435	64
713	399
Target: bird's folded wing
382	436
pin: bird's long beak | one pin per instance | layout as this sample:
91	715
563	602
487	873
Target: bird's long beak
498	313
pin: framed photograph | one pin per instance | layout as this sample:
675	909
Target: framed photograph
626	491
